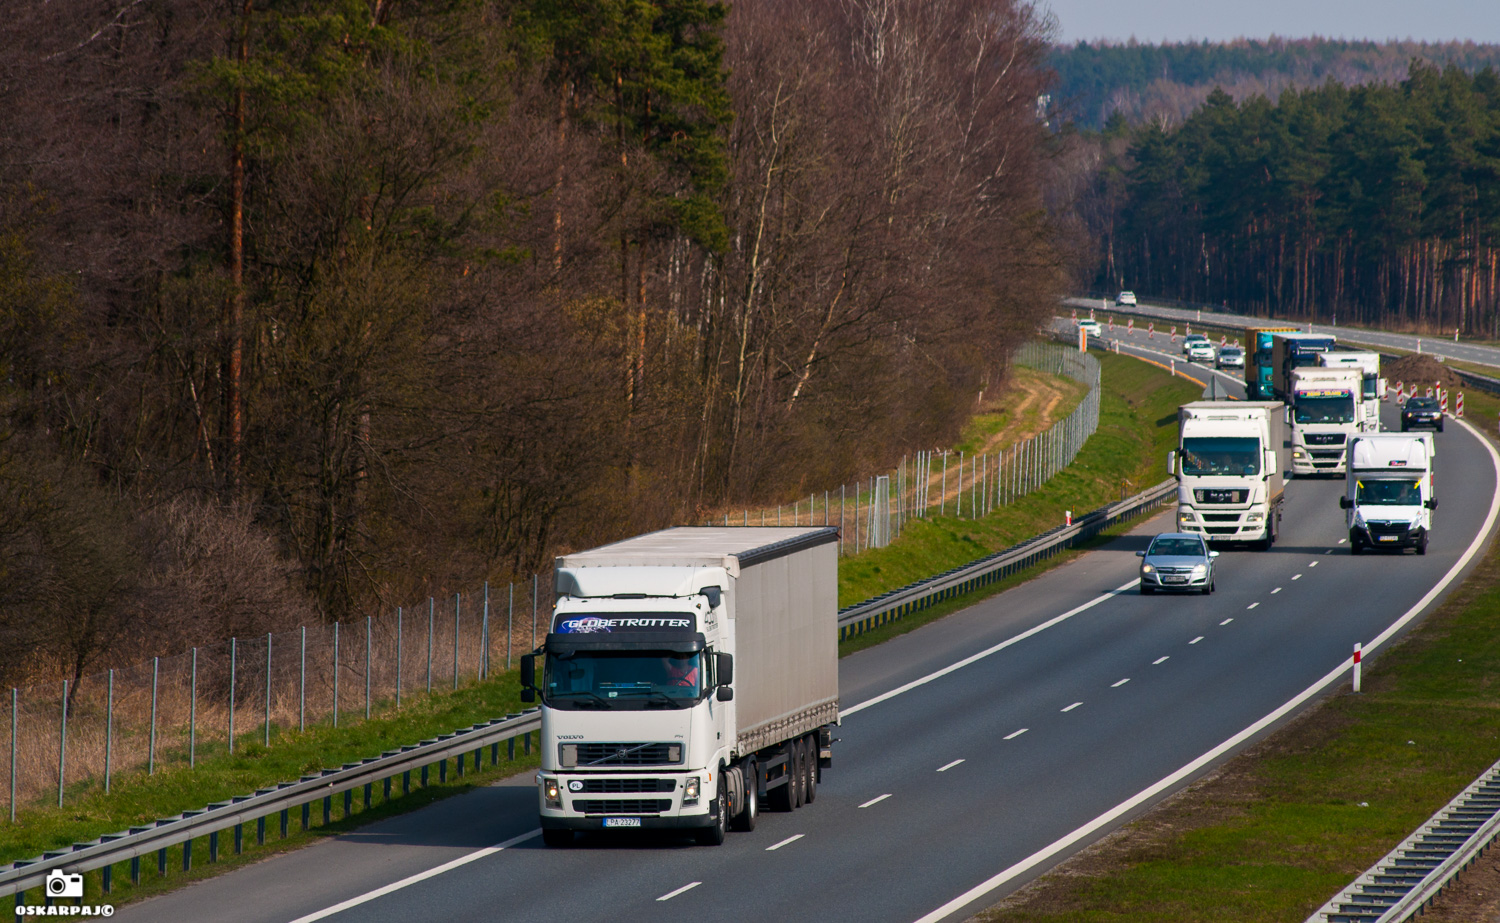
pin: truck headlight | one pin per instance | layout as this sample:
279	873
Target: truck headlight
1297	453
1255	517
690	791
552	792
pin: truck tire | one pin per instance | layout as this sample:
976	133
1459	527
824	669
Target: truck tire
751	809
714	836
810	791
557	839
798	781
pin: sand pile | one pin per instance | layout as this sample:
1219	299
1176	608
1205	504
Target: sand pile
1422	371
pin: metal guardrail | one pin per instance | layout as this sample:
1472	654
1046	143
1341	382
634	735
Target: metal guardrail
888	607
136	842
1402	885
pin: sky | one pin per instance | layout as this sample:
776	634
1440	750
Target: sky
1156	21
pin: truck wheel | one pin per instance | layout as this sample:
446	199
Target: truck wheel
714	836
810	789
799	774
557	839
751	810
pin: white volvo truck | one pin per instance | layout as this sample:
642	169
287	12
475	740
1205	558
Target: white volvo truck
1388	499
688	675
1228	464
1327	410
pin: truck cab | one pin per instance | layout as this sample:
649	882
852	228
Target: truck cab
1228	466
1388	498
1327	410
1372	385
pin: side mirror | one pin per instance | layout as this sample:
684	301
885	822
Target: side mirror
1140	554
724	668
1172	463
528	677
1344	503
1213	554
1432	504
725	694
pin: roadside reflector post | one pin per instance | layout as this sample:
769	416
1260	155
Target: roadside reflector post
1458	411
1067	517
1357	652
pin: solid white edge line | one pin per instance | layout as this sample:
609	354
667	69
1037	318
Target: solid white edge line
949	766
687	887
972	658
775	846
420	877
876	800
1167	783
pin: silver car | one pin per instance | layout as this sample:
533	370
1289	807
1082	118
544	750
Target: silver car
1177	561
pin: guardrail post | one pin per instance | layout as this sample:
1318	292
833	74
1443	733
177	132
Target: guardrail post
306	815
406	782
369	787
260	831
348	801
213	847
239	838
187	855
285	821
327	809
106	878
424	776
385	788
135	872
442	771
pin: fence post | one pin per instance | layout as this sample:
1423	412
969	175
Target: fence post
232	652
431	614
510	620
456	598
484	635
109	726
302	685
535	579
841	518
15	703
62	747
335	674
398	657
193	714
268	688
369	634
151	748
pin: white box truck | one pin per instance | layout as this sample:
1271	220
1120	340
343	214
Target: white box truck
1388	499
1229	462
688	676
1374	386
1327	410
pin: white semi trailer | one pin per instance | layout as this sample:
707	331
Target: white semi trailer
1388	499
688	675
1374	386
1327	410
1228	464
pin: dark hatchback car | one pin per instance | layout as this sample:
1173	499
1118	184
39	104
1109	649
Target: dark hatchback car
1422	411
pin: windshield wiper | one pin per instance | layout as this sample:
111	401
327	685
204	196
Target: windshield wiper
671	701
601	700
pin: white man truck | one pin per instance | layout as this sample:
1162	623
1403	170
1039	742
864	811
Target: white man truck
1388	499
1327	410
1228	464
1368	364
689	675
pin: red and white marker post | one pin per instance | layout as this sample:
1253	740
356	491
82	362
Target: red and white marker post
1174	333
1357	652
1459	410
1443	399
1151	331
1400	393
1067	517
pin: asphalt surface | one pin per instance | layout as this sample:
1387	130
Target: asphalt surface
1446	347
938	789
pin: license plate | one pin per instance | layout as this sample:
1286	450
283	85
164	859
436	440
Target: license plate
1385	538
622	821
1174	580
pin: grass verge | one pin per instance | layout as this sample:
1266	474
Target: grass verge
1137	427
1285	826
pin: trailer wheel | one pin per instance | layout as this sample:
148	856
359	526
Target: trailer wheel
810	788
798	779
557	839
751	810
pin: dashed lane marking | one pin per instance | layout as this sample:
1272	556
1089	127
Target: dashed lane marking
1252	605
791	839
1196	640
1120	683
1014	734
949	766
1073	706
1160	660
671	894
876	800
1225	622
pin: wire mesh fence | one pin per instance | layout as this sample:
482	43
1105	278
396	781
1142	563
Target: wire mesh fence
872	512
66	738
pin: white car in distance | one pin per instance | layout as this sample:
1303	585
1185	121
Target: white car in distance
1125	298
1091	327
1191	340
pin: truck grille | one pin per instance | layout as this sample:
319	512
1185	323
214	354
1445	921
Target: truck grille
628	754
1388	528
1334	454
1221	495
622	786
1323	438
1221	530
1220	517
622	805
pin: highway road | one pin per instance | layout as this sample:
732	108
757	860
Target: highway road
975	752
1445	347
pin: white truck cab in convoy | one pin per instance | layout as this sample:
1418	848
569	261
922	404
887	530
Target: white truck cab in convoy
1327	410
1228	464
688	675
1374	386
1388	499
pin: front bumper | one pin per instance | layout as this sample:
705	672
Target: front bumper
1223	525
650	802
1433	421
1159	581
1390	537
1318	461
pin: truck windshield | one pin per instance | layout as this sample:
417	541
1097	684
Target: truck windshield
1205	455
623	680
1325	409
1388	493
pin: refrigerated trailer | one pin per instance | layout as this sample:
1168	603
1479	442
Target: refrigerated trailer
689	676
